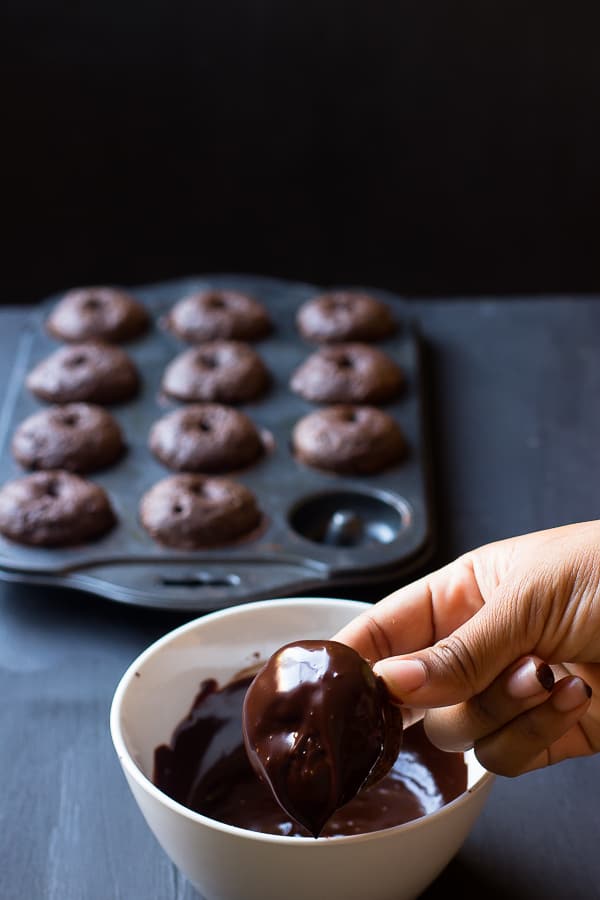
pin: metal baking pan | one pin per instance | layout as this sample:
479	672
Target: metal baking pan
309	540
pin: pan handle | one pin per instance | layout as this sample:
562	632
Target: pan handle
190	586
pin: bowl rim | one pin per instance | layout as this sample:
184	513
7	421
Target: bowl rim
132	769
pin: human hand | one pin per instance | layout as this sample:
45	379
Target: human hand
500	648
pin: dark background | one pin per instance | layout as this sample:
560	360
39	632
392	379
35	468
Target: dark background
433	148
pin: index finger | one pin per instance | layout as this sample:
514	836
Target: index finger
417	615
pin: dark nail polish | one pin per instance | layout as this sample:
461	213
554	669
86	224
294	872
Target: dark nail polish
545	676
588	689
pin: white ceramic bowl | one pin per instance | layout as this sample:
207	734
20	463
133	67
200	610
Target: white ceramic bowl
228	863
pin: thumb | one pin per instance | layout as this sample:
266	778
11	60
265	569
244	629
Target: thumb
460	665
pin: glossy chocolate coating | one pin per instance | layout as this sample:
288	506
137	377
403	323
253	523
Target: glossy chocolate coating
318	724
206	768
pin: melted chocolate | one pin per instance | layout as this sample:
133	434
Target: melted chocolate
318	726
206	768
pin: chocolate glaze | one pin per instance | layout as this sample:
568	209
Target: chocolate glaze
318	725
206	768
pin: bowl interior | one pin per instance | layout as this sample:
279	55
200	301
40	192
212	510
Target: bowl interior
157	690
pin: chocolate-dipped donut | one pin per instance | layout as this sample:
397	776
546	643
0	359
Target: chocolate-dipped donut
345	316
218	371
318	726
348	373
213	314
97	313
358	440
78	437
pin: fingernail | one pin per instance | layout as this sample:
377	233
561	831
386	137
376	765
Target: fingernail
529	679
403	676
570	693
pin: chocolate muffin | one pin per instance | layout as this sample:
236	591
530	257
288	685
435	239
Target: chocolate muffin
352	440
101	313
77	437
219	371
348	373
345	316
54	509
191	511
91	372
205	437
212	315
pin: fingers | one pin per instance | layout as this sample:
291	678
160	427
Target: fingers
454	646
468	660
427	610
522	686
416	615
542	736
521	722
458	643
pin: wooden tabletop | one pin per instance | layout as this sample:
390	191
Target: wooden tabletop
515	413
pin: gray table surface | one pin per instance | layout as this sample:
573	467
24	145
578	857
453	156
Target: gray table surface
515	401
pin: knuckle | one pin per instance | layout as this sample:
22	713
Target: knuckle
378	637
482	713
456	657
530	731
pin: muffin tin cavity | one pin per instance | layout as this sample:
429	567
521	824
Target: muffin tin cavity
351	518
319	528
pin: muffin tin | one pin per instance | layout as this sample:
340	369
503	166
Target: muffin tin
319	529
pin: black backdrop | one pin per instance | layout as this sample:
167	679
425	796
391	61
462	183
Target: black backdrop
425	146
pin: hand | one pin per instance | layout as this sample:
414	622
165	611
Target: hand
500	648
